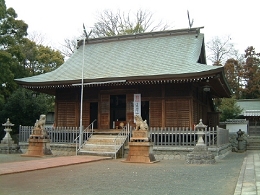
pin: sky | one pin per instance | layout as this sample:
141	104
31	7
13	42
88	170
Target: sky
57	20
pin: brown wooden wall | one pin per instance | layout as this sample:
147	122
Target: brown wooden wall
155	113
170	105
66	108
178	113
66	114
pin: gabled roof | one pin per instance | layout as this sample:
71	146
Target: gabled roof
251	107
174	54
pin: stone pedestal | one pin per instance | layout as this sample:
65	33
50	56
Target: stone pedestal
241	147
200	155
39	144
140	148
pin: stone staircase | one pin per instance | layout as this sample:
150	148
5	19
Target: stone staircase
103	145
253	143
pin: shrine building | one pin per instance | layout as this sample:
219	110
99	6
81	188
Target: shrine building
166	70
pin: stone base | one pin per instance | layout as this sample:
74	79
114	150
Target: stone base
9	149
38	148
200	155
139	136
140	152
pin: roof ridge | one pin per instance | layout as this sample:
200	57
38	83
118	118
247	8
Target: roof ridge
141	35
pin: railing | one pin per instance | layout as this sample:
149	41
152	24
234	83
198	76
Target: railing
90	127
121	138
57	135
169	136
187	136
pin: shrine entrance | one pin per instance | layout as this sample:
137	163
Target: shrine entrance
117	110
94	113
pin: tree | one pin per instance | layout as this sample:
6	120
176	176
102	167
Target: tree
21	57
37	38
229	109
12	32
220	50
24	107
69	47
47	59
251	74
110	23
11	29
233	74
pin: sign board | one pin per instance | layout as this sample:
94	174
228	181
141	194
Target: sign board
137	104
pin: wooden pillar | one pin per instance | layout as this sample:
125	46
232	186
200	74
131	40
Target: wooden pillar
163	106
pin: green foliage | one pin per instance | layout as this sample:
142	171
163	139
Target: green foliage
12	32
24	107
251	74
229	109
21	57
47	59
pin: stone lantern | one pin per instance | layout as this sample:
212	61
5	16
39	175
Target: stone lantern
7	144
200	128
200	153
241	142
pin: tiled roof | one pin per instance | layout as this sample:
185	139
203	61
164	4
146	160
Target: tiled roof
159	54
251	107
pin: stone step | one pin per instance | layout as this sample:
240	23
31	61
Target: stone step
102	145
253	143
95	147
253	139
95	153
253	147
105	140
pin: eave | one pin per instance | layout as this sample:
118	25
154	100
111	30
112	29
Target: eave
213	78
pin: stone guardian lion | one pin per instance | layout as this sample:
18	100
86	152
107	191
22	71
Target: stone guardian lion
41	122
140	124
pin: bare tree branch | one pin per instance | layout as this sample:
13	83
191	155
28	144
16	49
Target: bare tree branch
220	50
111	24
68	47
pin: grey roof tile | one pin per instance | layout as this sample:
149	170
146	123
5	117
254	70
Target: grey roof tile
152	56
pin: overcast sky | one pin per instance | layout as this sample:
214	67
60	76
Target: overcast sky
60	19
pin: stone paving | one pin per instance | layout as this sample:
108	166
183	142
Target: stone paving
237	174
249	177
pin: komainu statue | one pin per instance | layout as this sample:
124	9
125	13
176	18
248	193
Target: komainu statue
41	122
140	124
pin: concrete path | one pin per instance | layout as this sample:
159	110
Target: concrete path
249	178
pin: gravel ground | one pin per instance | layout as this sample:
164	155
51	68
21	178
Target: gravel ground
113	177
